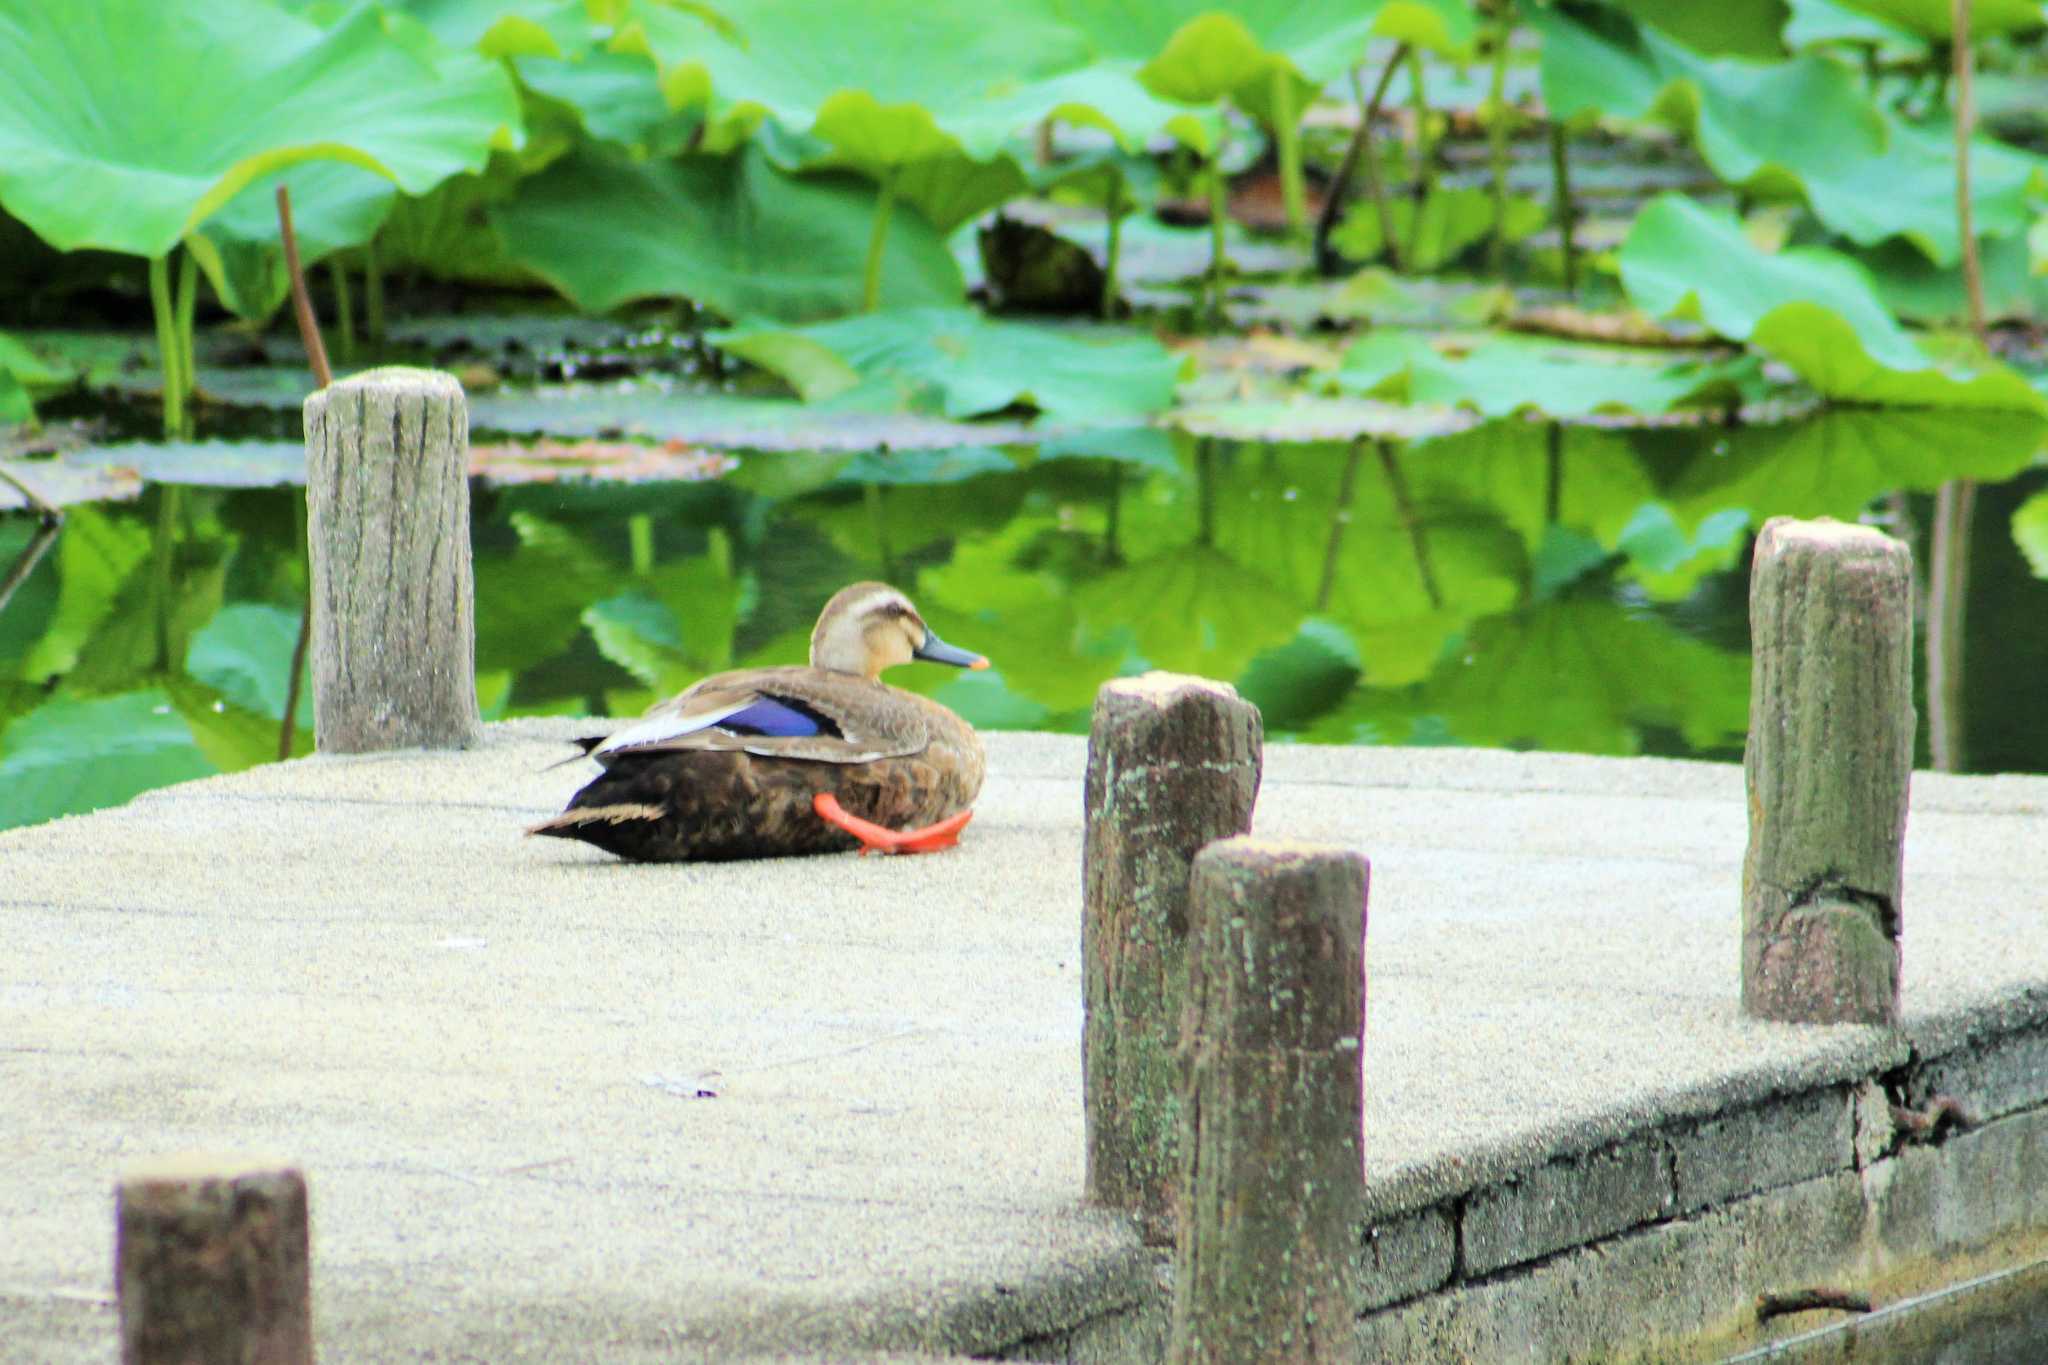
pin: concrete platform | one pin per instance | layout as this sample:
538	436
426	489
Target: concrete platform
552	1106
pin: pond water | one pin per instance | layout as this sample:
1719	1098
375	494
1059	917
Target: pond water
1519	584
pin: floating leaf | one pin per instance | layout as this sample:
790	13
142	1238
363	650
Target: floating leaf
63	484
959	363
89	89
731	232
600	461
215	464
1507	374
1812	308
1306	418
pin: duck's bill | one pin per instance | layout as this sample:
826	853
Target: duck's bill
939	652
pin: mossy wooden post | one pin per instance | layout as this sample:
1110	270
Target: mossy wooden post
1272	1153
394	610
1173	763
1829	758
212	1262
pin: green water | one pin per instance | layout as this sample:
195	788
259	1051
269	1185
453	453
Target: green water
1575	589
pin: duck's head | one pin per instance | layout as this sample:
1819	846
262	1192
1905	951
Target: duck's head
871	626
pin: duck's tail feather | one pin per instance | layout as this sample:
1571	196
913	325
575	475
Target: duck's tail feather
584	744
574	822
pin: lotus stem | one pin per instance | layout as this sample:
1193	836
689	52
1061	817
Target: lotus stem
167	351
302	300
373	294
1205	491
640	539
1966	128
344	307
878	238
1287	138
1359	153
1219	212
187	299
1114	250
1418	98
1561	177
1497	136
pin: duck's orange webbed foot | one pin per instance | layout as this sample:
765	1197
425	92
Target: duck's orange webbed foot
874	838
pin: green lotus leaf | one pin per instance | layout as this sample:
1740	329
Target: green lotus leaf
1009	65
617	97
1933	19
1453	221
68	756
334	205
1500	375
731	232
507	28
956	362
1814	309
1731	28
1803	126
21	369
1815	22
125	124
2030	532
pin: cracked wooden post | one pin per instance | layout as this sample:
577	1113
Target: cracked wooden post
394	604
1829	758
1272	1156
212	1261
1173	763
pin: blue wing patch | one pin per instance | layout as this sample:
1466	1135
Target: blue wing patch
782	718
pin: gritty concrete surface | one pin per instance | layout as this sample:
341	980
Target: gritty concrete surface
553	1106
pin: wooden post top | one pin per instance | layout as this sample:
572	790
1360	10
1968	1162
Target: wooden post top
1824	533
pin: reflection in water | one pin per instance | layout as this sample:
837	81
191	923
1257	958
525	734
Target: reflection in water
1516	584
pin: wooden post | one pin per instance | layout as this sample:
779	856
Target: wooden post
1829	758
1272	1157
213	1262
394	609
1173	763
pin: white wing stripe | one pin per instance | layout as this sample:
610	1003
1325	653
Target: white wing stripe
655	729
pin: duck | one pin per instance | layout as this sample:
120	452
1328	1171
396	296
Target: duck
792	760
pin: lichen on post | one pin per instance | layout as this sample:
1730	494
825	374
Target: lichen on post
394	611
213	1261
1173	763
1272	1156
1829	760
